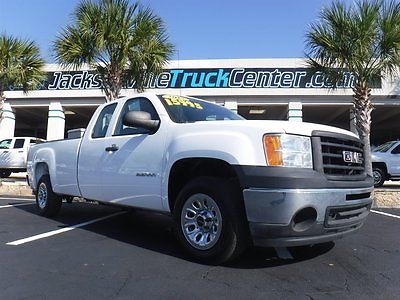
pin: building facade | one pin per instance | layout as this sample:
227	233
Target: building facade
264	89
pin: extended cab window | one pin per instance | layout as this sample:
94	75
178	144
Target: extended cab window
103	121
137	104
19	143
5	144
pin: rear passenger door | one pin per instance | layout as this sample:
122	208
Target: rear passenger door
18	153
92	154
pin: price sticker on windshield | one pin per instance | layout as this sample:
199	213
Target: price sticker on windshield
173	100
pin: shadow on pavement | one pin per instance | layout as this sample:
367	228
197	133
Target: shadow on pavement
258	257
156	232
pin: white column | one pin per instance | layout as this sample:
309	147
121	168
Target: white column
55	122
295	112
7	122
232	105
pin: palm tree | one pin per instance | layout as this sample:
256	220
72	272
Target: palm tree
363	38
20	66
119	41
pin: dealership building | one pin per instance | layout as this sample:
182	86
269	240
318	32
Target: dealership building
262	89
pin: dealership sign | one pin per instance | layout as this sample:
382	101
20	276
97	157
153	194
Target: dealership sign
205	78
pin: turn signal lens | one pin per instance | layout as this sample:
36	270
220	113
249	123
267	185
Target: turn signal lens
273	150
287	150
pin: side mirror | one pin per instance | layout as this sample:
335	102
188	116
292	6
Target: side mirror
140	119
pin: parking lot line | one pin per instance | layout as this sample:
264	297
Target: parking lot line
13	205
385	214
62	230
19	199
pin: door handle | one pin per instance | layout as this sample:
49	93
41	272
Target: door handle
112	148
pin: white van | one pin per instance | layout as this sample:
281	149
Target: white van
13	154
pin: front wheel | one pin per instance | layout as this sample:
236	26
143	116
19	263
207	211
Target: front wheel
48	203
379	177
211	220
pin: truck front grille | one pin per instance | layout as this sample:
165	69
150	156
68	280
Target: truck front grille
330	148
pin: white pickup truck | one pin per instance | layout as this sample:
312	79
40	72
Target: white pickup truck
386	162
14	153
228	182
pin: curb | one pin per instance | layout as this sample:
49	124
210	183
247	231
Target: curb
387	198
15	190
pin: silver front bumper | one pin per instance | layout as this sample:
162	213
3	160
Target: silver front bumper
272	214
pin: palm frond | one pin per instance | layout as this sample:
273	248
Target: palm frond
120	41
21	65
363	39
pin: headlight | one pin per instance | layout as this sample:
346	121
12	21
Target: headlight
287	150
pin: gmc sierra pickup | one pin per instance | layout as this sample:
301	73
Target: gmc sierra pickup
386	162
228	182
13	154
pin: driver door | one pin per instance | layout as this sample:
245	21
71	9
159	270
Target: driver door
132	168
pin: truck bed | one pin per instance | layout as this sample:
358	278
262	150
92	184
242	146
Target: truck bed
62	169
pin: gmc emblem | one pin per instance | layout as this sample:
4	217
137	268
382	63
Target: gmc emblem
353	157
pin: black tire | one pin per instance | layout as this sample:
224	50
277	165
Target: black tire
232	238
379	177
5	173
48	203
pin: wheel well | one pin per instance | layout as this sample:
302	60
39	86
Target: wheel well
380	165
40	170
186	169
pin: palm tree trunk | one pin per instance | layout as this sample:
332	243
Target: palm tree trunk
363	109
2	99
112	85
112	91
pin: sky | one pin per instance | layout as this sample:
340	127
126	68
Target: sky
200	29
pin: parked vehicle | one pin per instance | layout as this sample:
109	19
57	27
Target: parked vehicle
13	154
228	182
386	162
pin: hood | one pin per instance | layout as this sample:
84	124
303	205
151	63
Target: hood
378	156
299	128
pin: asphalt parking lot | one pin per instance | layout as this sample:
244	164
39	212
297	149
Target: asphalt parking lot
93	251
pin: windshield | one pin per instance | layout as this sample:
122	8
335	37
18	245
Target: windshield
384	147
5	144
187	110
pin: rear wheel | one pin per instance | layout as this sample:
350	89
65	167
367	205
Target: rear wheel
47	202
5	173
379	177
211	220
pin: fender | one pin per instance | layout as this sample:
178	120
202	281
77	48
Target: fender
234	148
43	156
